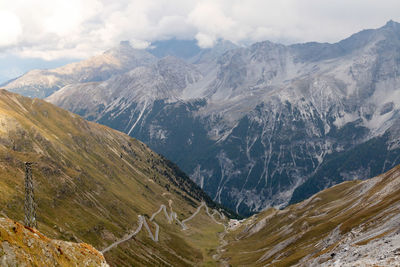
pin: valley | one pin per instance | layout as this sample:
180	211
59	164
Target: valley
96	185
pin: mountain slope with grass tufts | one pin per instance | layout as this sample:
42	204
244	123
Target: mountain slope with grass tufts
96	185
355	223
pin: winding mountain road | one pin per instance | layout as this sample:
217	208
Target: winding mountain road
170	217
129	236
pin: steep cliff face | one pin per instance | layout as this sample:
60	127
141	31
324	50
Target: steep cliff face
24	246
252	125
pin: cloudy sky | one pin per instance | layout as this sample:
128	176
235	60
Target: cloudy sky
66	29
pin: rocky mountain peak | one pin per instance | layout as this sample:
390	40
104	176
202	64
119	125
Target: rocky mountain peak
389	32
265	45
130	56
391	24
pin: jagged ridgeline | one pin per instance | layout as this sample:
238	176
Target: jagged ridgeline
94	184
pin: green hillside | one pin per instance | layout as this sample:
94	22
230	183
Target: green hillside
92	183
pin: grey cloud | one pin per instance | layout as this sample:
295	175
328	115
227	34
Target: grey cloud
75	28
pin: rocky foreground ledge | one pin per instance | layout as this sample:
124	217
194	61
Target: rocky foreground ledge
24	246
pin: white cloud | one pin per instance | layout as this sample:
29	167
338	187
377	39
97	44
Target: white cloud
66	17
205	40
75	28
10	28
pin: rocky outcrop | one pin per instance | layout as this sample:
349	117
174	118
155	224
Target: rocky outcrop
24	246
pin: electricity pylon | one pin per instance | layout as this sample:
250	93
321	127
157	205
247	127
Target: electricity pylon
30	205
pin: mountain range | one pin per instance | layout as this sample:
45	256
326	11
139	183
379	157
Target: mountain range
255	127
96	185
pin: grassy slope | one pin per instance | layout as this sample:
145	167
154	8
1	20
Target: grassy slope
92	182
315	226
